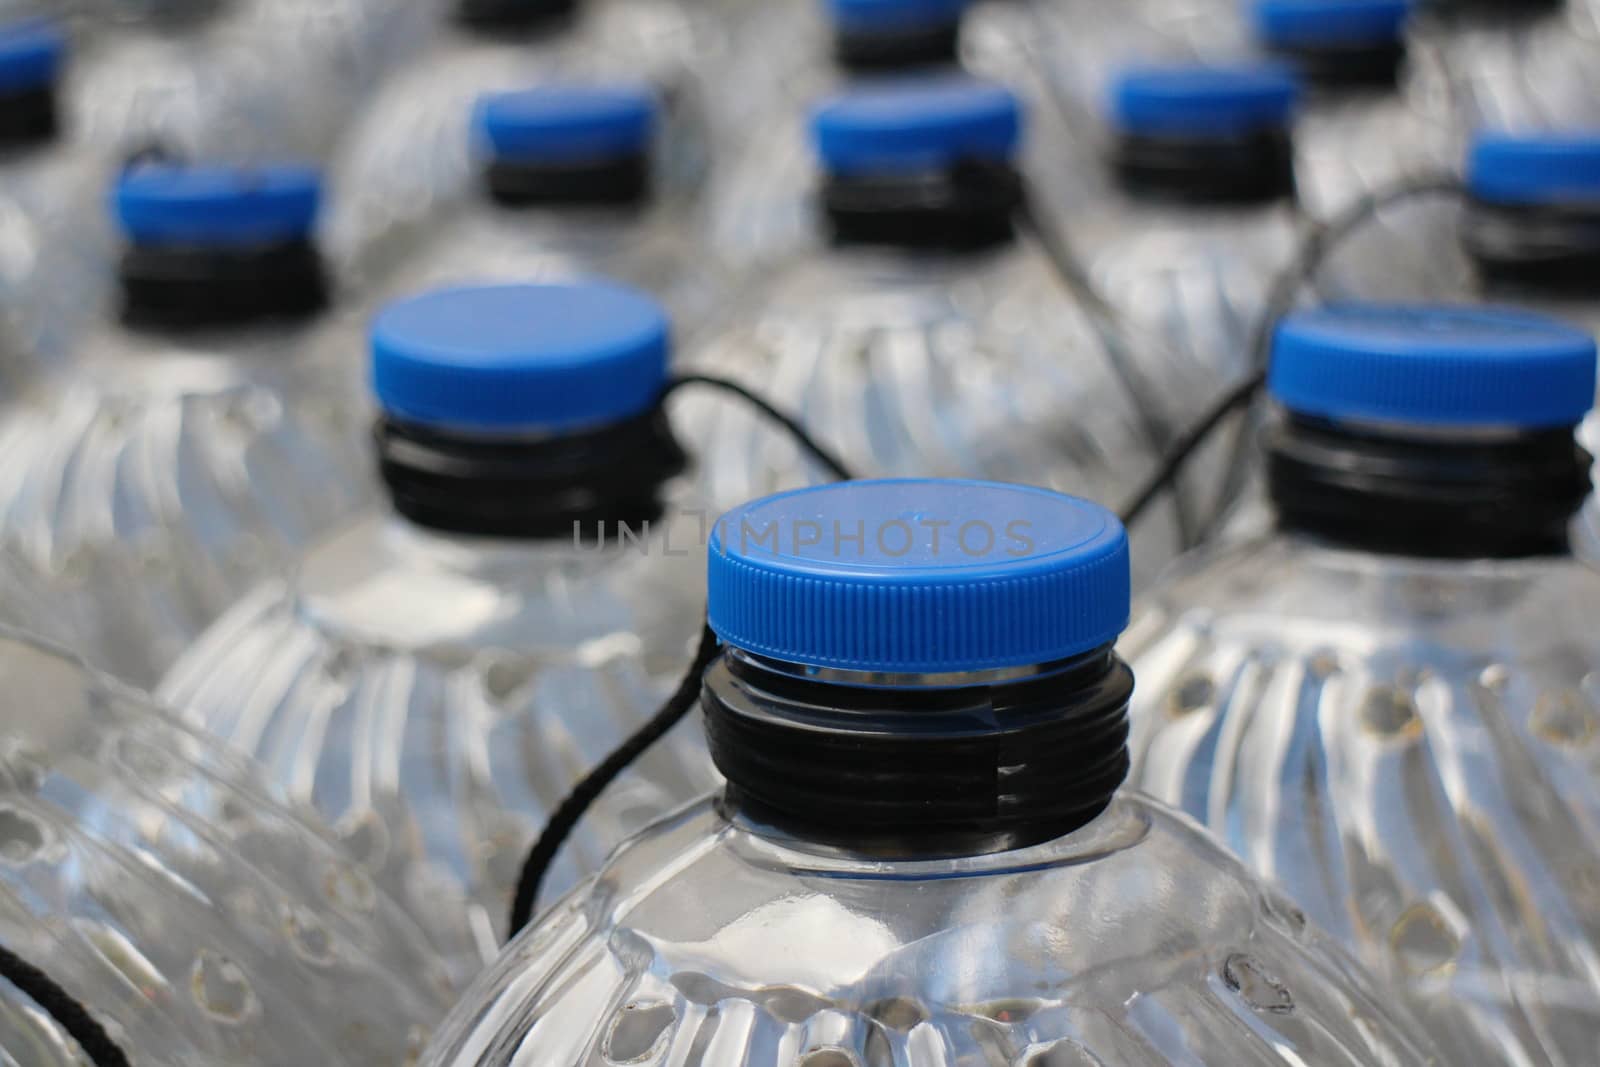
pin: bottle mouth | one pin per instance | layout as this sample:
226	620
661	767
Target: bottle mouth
920	771
1337	44
578	485
1533	211
1206	135
32	52
888	35
1394	491
567	144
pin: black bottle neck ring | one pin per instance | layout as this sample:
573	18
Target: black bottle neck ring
567	486
1504	496
29	118
1537	248
191	287
1247	168
899	49
514	17
1365	65
920	772
623	181
969	206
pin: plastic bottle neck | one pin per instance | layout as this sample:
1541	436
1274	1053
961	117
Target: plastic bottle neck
1339	68
1496	496
1543	249
504	18
29	118
571	487
1247	168
922	767
192	287
970	206
623	182
905	48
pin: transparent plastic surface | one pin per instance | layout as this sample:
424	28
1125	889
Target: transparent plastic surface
169	474
229	81
435	696
928	364
1530	66
1135	940
651	246
1407	748
56	255
410	161
150	873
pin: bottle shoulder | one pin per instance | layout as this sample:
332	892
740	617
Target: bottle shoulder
1004	950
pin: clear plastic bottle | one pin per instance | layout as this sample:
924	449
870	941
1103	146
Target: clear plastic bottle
410	159
205	80
436	677
1386	703
1369	117
151	874
924	333
194	446
923	854
55	257
795	52
1512	64
1196	211
571	180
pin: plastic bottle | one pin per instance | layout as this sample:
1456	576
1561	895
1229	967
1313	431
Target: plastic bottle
925	332
923	854
435	677
1384	703
198	442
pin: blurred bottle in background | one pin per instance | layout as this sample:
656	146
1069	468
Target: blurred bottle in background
55	256
153	876
434	678
571	180
1386	701
411	159
191	446
925	331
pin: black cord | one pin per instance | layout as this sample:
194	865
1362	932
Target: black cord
802	437
64	1008
587	791
1282	295
1158	435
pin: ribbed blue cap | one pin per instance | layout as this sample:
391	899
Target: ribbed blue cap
566	123
1332	23
31	52
1434	365
918	576
916	125
1203	101
534	357
216	206
870	16
1554	168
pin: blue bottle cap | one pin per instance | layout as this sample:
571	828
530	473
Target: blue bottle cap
520	357
1203	101
917	125
1550	168
887	16
1433	366
918	576
1330	23
565	124
31	52
220	207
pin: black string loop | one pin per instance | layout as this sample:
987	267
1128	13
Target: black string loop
823	456
64	1008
